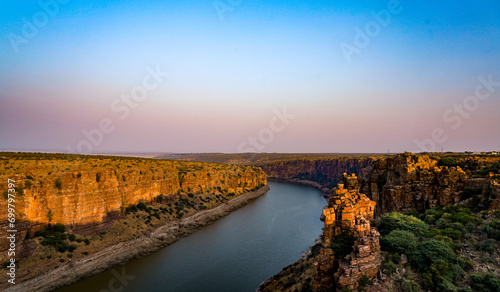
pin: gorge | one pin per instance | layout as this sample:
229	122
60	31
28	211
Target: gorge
105	197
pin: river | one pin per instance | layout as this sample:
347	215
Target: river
235	253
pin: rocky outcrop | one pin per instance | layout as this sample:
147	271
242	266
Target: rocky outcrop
409	181
348	212
325	171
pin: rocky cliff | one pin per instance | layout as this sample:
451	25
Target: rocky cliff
348	214
325	171
348	249
409	181
86	193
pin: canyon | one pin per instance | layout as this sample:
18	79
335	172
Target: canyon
349	247
91	195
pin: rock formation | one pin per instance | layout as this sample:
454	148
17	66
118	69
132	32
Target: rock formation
409	181
350	212
326	171
86	195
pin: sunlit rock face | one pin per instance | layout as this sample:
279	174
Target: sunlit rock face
348	211
88	200
409	181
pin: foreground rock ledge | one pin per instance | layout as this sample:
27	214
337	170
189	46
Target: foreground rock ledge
123	252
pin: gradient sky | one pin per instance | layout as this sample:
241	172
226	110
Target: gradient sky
228	76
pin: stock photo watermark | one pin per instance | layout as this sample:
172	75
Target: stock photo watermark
31	26
122	107
458	112
224	6
118	282
11	230
363	36
277	124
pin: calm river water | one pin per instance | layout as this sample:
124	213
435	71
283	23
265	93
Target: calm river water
236	253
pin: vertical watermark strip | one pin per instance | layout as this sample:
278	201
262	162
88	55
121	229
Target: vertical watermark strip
11	230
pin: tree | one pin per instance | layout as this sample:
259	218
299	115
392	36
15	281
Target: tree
428	252
395	220
400	241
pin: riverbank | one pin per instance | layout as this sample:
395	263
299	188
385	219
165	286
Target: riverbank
326	191
123	252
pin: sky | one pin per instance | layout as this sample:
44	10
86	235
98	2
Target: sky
249	76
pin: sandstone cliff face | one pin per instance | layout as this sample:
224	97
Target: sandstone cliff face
409	181
90	193
327	172
350	212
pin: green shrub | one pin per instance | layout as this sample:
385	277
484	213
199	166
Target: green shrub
364	281
492	229
28	183
400	241
142	206
427	252
411	286
395	220
395	258
59	227
19	191
485	282
389	267
485	171
488	245
448	161
58	183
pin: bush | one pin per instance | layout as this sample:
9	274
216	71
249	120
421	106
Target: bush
400	241
28	183
411	286
492	229
485	282
59	228
142	206
428	252
364	281
71	237
488	245
389	267
395	220
448	161
58	183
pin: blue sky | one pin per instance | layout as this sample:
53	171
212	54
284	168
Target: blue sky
227	77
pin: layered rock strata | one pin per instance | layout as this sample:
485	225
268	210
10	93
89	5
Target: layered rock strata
350	212
409	181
